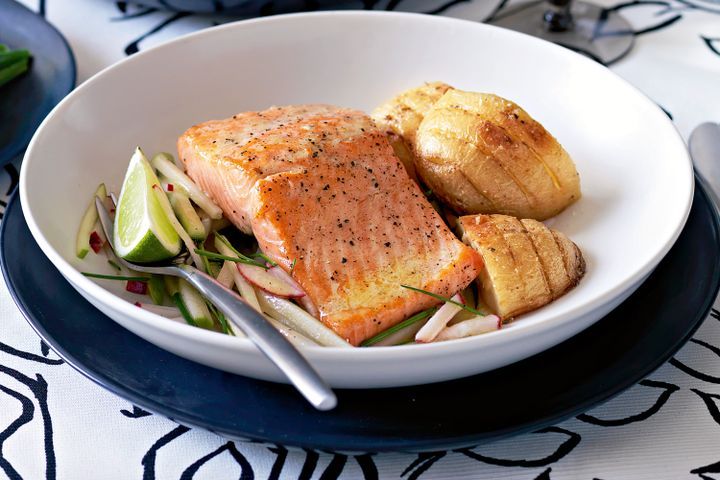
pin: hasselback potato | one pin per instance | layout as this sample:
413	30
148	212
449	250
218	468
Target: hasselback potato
481	153
526	264
400	117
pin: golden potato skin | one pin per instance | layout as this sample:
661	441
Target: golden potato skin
526	264
482	153
400	117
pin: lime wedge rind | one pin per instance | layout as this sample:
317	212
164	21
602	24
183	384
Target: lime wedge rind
143	232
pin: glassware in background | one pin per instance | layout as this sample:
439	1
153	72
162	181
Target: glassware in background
600	33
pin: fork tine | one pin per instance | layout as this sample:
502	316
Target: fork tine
108	228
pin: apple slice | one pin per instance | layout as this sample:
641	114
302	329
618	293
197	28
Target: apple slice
264	280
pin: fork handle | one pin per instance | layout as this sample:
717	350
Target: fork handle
270	341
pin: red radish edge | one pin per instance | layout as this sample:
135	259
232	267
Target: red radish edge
96	243
171	187
268	282
138	304
136	286
304	300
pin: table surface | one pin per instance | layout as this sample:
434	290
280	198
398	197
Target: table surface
665	427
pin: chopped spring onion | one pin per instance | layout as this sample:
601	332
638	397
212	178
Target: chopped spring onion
295	317
292	266
167	208
113	264
177	176
87	224
224	325
264	257
116	277
445	299
231	252
247	292
400	326
229	258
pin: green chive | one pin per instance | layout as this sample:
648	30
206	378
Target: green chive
221	319
217	256
445	299
396	328
264	257
183	309
115	265
115	277
292	267
428	192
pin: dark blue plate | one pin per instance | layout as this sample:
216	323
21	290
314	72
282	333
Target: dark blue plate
26	101
561	382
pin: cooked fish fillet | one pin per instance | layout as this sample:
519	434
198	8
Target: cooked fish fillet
485	154
320	185
526	264
400	118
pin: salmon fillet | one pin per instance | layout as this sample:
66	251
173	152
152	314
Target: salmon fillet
320	186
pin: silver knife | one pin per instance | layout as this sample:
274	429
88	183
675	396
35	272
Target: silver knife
704	147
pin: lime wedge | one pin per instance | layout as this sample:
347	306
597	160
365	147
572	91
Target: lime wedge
143	232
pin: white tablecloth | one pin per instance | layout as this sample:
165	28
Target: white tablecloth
54	423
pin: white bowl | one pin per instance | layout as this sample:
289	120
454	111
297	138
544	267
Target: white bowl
636	176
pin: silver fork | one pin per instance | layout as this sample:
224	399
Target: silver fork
271	342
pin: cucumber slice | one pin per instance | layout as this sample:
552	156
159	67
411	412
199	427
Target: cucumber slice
196	307
87	224
187	215
171	285
176	187
163	163
156	289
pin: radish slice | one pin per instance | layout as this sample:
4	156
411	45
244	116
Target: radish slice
268	282
246	290
304	300
468	328
439	321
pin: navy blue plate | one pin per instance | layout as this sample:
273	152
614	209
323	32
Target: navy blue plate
26	101
561	382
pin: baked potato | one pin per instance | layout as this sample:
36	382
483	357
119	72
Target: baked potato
400	117
481	153
526	264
